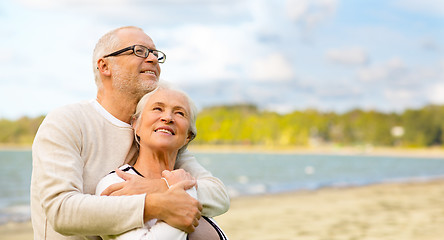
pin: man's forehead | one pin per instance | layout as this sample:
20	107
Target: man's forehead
133	36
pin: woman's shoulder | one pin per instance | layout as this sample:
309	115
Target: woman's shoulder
112	178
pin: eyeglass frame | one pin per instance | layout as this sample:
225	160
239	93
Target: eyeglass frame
132	48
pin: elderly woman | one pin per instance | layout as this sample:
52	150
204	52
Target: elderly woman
164	124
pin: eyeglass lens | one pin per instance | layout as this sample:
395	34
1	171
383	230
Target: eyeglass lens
142	51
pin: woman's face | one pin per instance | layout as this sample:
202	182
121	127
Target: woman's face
165	121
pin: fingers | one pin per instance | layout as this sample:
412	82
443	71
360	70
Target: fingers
189	229
187	184
196	222
112	189
192	227
166	173
125	176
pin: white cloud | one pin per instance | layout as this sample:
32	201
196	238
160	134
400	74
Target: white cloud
310	12
352	56
386	71
273	67
202	53
436	93
402	98
423	6
297	9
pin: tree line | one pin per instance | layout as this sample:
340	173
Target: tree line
247	125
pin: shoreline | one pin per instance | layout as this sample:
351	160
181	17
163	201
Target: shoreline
408	211
432	152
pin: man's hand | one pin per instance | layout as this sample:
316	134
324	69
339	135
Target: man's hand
134	184
175	207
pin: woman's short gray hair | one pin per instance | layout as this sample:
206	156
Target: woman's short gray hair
164	85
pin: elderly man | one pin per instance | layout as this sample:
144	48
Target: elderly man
78	144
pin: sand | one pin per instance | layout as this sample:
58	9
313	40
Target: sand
408	211
395	211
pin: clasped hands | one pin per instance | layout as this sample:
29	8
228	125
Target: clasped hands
173	205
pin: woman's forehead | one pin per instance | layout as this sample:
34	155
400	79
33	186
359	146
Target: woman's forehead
169	96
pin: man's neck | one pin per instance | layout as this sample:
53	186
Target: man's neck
121	107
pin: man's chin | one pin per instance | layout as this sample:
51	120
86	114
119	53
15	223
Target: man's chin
149	85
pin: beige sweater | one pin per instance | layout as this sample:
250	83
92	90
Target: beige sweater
74	148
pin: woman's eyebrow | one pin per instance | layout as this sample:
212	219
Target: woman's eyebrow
158	104
181	108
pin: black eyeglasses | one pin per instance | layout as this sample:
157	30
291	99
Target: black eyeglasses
141	51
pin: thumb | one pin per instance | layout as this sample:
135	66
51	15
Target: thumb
166	173
185	185
125	176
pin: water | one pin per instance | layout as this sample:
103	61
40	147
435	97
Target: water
247	174
15	178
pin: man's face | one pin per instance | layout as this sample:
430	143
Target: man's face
132	74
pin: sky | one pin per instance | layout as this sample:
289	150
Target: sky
281	55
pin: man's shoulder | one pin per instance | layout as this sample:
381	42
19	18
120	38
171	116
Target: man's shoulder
71	112
72	109
68	116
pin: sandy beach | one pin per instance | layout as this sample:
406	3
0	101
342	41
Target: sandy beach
408	211
395	211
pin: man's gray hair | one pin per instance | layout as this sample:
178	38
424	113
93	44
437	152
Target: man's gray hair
106	44
165	85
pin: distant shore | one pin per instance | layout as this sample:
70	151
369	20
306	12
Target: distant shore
407	211
433	152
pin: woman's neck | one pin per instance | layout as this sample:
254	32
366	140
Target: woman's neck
151	163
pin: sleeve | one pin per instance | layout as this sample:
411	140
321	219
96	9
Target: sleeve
211	192
58	170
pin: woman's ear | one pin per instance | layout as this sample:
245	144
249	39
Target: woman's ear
133	122
134	125
189	137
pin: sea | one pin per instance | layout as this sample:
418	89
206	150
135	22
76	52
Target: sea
247	174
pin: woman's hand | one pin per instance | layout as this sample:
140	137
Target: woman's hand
176	176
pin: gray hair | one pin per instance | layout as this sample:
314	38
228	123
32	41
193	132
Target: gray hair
193	111
106	44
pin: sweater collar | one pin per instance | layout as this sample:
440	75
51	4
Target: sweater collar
102	111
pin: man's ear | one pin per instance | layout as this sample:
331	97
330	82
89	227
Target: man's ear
102	66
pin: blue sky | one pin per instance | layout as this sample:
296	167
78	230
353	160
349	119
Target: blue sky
282	55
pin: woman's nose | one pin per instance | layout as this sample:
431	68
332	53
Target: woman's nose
167	118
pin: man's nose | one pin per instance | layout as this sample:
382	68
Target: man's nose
151	58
